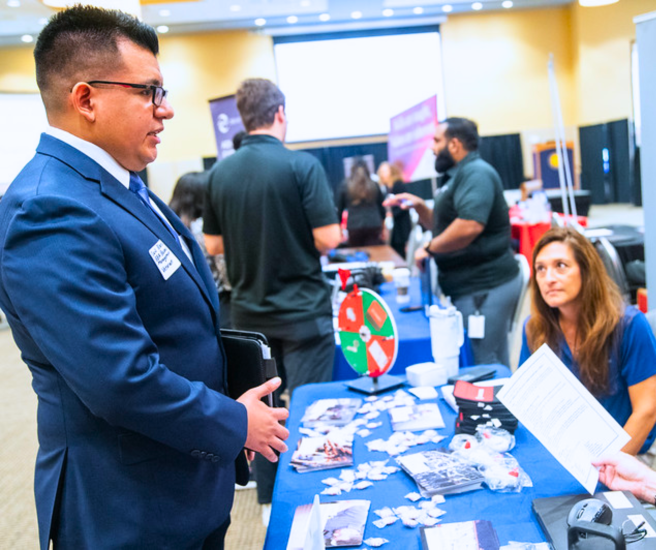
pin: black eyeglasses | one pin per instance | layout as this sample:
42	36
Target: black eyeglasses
158	93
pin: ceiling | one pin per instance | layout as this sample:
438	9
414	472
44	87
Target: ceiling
27	17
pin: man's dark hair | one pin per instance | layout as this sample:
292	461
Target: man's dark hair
81	43
258	101
464	129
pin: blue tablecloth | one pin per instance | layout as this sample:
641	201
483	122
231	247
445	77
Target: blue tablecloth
414	336
510	513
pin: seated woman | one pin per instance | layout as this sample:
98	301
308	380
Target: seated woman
578	311
391	176
363	201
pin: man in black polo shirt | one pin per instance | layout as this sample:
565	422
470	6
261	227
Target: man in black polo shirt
471	239
272	211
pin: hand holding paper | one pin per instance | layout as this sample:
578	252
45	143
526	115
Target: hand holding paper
563	415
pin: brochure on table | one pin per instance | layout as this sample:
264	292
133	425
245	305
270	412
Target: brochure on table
562	414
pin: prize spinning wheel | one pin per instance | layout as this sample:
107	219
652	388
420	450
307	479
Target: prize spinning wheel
369	339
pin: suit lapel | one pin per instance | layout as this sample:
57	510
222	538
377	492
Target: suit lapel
199	270
129	201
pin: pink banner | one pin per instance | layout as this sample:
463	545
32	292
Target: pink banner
410	140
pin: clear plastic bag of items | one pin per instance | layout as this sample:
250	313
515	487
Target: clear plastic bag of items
487	450
504	475
498	439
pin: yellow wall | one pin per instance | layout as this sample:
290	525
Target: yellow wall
200	67
603	52
17	72
495	67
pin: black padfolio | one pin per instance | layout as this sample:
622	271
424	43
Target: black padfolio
249	362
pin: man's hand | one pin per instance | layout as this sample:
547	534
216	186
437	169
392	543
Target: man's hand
265	434
623	472
420	256
404	201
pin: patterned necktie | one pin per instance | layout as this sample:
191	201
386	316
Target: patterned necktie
137	186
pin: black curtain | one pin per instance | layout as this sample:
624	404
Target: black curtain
609	162
637	178
505	154
502	152
332	158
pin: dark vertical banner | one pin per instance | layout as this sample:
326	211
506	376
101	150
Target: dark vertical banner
226	122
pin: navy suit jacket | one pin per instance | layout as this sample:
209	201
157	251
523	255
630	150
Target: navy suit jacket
137	441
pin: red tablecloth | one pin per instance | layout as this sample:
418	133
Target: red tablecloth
528	234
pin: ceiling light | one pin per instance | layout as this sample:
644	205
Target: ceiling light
418	10
260	21
507	4
324	17
235	7
128	6
164	13
292	19
388	12
595	3
356	14
447	8
13	3
162	29
43	21
477	6
27	38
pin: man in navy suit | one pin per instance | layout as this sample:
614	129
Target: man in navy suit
113	307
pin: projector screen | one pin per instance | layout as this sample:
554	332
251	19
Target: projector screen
349	87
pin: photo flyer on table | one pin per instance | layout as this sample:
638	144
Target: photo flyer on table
331	412
333	450
440	472
342	523
464	535
415	418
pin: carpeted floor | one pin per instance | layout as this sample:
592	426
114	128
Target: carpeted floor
18	446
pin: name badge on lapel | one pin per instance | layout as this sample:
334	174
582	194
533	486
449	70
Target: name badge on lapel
164	259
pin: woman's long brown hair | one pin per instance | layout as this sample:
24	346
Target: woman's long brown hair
360	186
601	311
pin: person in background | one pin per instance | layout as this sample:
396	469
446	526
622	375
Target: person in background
390	175
237	139
609	346
112	305
362	200
187	202
272	211
471	239
623	472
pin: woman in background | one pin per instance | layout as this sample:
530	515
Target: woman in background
187	202
391	177
578	311
362	199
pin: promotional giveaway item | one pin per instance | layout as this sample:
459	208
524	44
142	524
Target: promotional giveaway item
479	406
369	338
